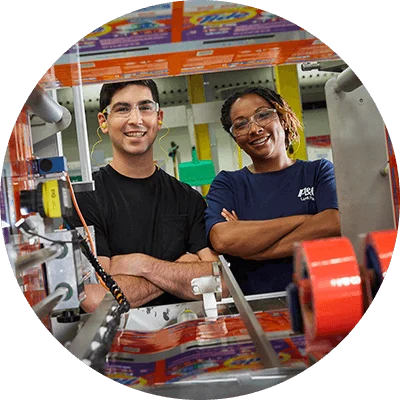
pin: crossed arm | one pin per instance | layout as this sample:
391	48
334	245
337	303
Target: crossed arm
137	290
322	225
270	239
143	278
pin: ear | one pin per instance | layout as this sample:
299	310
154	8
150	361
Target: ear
101	118
160	117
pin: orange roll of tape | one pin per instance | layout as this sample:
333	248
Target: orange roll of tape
379	248
382	242
330	287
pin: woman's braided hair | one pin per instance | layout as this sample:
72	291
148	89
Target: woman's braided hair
289	121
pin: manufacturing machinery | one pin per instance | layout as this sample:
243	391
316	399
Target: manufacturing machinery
237	345
260	340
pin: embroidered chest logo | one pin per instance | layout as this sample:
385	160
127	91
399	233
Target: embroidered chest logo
306	193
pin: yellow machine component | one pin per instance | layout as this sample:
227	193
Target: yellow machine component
287	85
240	157
51	199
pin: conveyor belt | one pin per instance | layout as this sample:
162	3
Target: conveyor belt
175	359
153	353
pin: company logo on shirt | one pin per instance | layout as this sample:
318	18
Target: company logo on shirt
306	193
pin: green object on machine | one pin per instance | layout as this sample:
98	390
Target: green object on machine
197	172
76	178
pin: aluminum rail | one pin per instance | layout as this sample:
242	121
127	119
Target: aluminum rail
264	348
26	261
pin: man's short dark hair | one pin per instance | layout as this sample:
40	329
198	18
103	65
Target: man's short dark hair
108	90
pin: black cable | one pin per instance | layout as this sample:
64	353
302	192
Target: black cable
98	356
24	225
51	240
106	278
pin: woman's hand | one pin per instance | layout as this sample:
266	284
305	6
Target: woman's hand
229	216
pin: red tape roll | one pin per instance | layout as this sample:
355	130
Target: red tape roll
383	243
330	287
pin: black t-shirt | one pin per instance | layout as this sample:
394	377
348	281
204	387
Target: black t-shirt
158	216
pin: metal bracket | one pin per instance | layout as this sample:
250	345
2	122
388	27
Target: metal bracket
209	287
330	66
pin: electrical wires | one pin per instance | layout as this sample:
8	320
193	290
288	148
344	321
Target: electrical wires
89	251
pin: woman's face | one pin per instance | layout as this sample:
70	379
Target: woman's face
261	142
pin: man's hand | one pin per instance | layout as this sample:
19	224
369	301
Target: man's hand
94	295
171	277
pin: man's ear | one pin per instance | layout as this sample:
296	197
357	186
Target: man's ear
101	118
160	118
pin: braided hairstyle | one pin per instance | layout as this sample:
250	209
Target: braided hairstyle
289	121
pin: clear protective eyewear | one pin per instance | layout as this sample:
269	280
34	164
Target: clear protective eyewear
124	110
262	117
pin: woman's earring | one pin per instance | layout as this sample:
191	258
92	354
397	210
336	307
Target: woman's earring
290	147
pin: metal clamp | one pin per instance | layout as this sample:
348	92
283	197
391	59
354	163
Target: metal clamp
216	265
211	289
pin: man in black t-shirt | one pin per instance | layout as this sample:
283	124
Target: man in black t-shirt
149	227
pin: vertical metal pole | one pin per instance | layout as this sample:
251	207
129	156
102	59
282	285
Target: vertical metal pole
81	131
190	120
87	184
59	144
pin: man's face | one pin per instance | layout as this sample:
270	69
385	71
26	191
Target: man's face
132	132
